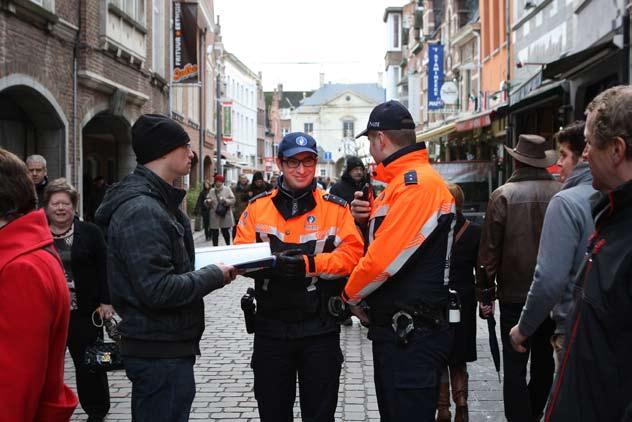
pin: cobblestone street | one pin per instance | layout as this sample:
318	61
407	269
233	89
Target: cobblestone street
224	379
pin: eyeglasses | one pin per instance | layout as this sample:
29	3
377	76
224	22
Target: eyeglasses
294	163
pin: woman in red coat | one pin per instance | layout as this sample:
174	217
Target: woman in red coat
35	306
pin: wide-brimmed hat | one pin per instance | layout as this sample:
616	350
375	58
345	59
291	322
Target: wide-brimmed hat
531	150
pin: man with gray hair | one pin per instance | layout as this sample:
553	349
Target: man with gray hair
595	379
36	165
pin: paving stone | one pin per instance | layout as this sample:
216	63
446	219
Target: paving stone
224	380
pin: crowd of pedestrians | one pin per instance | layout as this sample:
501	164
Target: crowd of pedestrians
557	255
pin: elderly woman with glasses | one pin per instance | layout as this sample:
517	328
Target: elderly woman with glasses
83	254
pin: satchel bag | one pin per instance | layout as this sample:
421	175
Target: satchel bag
222	208
102	356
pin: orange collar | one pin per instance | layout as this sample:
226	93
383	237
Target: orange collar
400	161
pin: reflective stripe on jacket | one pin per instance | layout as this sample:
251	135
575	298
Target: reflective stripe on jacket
326	232
410	229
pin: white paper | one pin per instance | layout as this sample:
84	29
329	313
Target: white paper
232	255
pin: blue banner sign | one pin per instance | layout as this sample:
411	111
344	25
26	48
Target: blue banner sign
435	76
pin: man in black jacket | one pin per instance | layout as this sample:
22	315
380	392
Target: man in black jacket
354	179
595	379
153	284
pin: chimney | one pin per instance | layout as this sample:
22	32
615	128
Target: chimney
322	79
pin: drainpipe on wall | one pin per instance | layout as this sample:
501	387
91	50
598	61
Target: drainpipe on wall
479	70
626	45
507	165
77	148
202	102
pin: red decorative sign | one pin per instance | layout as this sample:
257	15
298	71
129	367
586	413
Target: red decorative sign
474	123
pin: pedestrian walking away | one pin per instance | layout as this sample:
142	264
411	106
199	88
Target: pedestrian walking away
35	306
462	265
317	244
404	275
567	225
83	254
516	211
153	285
595	378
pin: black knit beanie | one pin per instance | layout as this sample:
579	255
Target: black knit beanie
155	135
353	162
257	176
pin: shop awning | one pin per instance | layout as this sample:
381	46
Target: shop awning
566	66
528	94
432	134
474	121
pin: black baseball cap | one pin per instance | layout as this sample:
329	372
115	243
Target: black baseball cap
391	115
295	143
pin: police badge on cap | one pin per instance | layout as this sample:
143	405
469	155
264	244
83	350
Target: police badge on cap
295	143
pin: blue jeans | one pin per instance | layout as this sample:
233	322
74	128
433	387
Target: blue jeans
162	389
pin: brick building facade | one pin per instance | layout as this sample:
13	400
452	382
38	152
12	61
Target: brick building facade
75	76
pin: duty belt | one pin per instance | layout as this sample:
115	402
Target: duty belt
406	318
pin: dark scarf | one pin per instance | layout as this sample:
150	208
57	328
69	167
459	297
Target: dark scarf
292	203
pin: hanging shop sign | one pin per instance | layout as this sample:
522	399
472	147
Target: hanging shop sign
435	76
227	117
449	93
185	48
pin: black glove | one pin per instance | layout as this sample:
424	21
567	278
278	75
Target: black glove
290	264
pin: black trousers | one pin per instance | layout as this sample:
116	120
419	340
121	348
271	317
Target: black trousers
277	362
407	376
525	402
92	387
206	222
225	235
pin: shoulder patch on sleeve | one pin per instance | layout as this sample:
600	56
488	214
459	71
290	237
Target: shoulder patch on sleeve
261	195
410	177
335	199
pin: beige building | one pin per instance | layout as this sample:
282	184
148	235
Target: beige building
333	114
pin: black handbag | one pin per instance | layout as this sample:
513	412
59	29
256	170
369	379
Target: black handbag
101	355
222	208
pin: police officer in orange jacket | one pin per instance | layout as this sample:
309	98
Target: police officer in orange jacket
317	244
404	275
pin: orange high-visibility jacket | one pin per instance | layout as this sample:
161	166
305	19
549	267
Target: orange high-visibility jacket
336	244
410	223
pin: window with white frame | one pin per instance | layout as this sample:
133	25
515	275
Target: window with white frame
158	38
347	129
308	127
135	9
46	4
323	172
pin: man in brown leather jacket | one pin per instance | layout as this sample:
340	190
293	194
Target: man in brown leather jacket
508	252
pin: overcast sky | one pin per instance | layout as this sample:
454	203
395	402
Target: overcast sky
344	39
